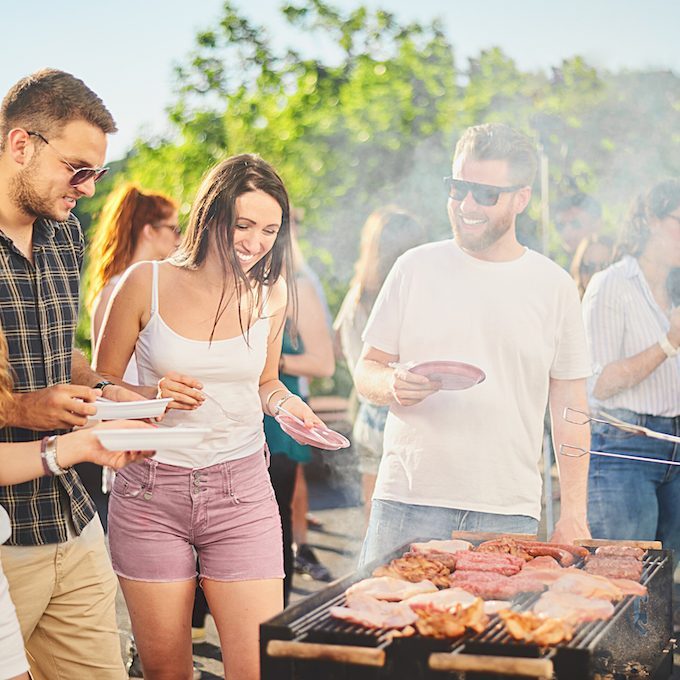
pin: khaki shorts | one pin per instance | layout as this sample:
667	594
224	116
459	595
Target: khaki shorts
64	596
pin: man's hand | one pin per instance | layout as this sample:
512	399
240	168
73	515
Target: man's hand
59	407
570	529
409	388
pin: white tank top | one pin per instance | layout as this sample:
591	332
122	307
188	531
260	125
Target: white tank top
230	372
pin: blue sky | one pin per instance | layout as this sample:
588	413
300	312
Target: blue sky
125	50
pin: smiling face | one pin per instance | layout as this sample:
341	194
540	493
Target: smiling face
487	232
41	187
258	220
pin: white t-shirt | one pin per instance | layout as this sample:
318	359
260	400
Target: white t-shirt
520	322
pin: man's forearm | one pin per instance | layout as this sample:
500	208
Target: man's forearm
373	381
81	372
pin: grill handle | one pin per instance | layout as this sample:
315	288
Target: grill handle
360	656
506	665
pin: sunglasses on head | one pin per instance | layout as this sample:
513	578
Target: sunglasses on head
80	175
484	194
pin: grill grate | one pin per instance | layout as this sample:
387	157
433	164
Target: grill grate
310	622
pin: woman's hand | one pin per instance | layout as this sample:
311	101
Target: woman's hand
299	408
184	390
84	446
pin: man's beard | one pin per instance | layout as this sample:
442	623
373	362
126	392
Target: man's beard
493	231
25	196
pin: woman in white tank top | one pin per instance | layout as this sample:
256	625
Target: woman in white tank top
206	329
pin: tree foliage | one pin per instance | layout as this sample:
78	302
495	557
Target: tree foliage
376	122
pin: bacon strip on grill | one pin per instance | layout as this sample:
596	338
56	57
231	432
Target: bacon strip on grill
496	562
494	586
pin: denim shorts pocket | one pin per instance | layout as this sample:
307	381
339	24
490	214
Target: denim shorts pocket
130	483
250	483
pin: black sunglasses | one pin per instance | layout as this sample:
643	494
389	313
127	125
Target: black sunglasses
80	175
484	194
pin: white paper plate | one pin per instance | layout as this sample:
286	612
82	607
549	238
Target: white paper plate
155	439
116	410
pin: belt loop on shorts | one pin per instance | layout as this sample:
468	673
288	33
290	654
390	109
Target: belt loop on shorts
150	479
227	481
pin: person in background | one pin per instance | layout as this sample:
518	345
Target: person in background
53	142
309	355
22	462
305	560
387	233
206	326
469	460
593	254
577	217
633	332
134	226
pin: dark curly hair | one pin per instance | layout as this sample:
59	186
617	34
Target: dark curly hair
661	200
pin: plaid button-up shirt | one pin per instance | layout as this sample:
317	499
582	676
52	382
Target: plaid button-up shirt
38	314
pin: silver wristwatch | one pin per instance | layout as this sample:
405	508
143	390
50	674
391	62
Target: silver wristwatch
49	454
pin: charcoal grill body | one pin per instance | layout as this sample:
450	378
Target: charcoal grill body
635	643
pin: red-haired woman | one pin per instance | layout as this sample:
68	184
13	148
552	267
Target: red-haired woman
135	226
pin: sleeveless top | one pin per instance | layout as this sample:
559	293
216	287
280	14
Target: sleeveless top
230	373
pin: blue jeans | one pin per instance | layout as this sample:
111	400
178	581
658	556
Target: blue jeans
392	524
630	499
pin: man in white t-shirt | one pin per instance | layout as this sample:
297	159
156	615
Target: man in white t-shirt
469	459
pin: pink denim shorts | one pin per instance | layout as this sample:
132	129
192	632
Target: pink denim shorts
161	516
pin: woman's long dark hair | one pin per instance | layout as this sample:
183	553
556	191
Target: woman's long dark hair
212	223
660	201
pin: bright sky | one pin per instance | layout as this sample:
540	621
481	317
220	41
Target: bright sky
125	50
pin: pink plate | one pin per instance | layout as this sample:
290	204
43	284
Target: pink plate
453	375
319	437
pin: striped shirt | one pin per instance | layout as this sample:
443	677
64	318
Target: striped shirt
622	319
39	314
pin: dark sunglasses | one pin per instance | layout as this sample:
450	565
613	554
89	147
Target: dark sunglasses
484	194
80	175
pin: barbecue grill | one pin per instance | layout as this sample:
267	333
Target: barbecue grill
306	643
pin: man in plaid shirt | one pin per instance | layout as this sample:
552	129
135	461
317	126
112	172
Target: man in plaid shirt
52	143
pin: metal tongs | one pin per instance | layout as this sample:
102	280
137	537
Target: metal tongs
576	417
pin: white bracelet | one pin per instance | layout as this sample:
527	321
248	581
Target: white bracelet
270	395
280	402
667	347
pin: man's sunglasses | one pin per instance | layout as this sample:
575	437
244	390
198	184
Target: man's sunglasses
484	194
80	175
